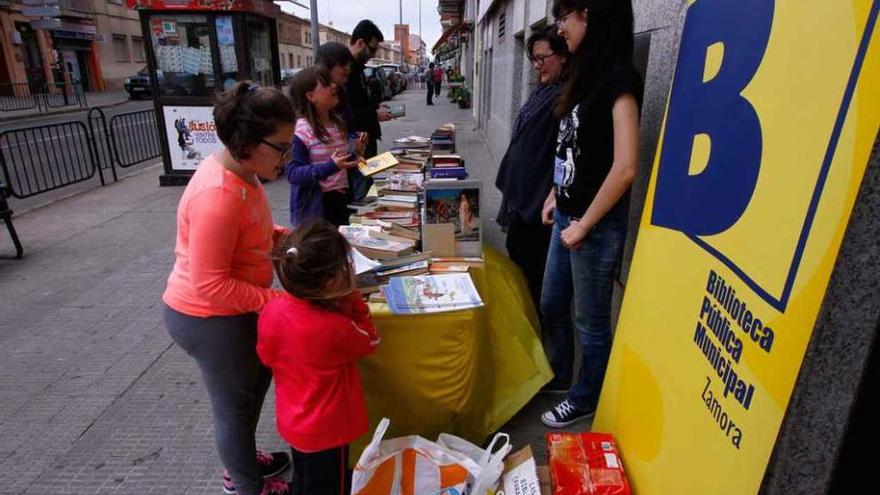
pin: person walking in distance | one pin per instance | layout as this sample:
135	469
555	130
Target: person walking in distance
438	79
429	82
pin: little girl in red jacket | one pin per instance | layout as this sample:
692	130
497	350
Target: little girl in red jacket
311	338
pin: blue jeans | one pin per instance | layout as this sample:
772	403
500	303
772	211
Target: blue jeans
586	275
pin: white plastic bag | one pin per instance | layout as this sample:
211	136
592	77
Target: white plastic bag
411	465
490	460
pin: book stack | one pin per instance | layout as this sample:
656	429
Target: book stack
431	293
402	182
411	162
380	273
388	229
448	166
365	239
456	264
443	140
412	142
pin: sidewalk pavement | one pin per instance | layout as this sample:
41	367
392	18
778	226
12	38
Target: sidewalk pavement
94	396
93	99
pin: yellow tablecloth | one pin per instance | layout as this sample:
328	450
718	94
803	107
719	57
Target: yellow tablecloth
465	373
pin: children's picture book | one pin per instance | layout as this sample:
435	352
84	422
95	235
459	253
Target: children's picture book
458	203
377	164
432	293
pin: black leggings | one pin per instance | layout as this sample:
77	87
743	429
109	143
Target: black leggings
321	473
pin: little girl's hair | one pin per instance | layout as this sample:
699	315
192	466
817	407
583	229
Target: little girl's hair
311	258
301	84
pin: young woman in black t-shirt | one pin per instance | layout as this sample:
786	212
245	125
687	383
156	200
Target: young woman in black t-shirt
596	158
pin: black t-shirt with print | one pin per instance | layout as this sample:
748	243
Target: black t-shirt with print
585	143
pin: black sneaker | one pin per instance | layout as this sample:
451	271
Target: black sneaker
271	465
564	414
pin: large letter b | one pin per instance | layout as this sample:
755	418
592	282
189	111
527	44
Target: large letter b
712	200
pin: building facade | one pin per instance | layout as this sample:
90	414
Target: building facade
389	52
417	54
96	43
329	33
293	50
401	36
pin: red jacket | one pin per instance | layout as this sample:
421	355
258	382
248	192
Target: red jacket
319	399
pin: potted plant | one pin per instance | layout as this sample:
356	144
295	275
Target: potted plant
464	98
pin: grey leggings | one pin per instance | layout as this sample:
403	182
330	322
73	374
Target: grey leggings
225	349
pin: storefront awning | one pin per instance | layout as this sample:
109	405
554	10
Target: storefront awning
261	7
451	37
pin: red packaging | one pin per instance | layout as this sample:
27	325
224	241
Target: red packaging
586	464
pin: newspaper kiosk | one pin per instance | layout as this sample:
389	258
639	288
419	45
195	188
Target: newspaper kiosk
194	49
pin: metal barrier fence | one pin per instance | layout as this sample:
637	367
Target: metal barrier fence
43	158
64	95
25	96
135	137
18	96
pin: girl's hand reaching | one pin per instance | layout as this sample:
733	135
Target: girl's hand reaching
340	158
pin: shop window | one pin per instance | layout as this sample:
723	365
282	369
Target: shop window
260	48
228	58
137	49
290	60
182	50
299	62
120	48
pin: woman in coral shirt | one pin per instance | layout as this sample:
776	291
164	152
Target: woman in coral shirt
223	273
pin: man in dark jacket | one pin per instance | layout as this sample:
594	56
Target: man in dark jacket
367	114
429	79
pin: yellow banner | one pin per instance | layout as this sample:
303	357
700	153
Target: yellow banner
772	115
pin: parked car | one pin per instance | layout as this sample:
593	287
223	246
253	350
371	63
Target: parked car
377	84
398	82
286	74
139	85
170	84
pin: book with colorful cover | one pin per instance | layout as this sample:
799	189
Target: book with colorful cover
458	203
404	181
377	164
432	294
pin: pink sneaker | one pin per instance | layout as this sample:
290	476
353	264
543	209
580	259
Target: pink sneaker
275	486
271	465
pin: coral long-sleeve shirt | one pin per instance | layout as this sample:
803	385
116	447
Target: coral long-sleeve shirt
224	242
313	353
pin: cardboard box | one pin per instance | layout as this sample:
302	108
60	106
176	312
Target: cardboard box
520	476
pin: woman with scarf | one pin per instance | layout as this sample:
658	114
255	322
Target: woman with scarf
525	176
